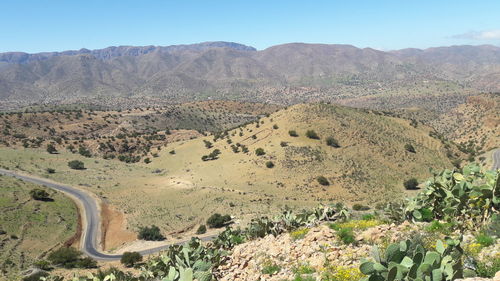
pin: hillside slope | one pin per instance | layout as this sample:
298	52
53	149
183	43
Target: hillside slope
234	71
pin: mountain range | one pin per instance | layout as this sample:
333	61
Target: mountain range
285	74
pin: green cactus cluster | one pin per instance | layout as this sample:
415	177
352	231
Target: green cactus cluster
469	196
406	261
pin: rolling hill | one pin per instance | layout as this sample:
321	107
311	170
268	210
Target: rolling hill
182	186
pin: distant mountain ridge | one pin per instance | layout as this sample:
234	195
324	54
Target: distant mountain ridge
286	74
118	51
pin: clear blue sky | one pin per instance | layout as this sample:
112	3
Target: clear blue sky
50	25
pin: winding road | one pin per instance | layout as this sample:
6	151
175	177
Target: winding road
91	221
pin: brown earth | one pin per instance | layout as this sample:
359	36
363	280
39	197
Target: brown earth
114	228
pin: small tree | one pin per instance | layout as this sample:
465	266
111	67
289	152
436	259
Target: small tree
322	180
411	184
269	164
39	194
217	220
410	148
312	135
259	151
151	233
202	229
147	160
66	257
293	133
330	141
275	126
76	165
51	148
129	259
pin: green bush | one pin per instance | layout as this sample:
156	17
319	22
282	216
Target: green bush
39	194
322	180
275	126
76	165
410	148
411	184
485	240
50	170
312	135
330	141
66	257
293	133
217	220
259	151
147	160
151	233
51	148
86	262
360	207
202	229
129	259
269	164
346	235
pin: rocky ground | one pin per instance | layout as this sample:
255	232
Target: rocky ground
319	254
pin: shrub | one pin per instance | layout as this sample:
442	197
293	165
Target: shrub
410	148
36	276
84	151
147	160
86	263
39	194
202	229
299	233
283	144
129	259
360	207
172	152
293	133
51	148
66	257
259	151
275	126
76	165
488	269
322	180
270	268
269	164
312	135
411	184
151	233
485	240
217	220
330	141
346	235
50	170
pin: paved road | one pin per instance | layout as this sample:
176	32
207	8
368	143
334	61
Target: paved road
496	159
90	230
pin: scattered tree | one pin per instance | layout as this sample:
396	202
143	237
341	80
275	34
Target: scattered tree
411	184
312	135
217	220
129	259
259	151
39	194
151	233
322	180
76	165
202	229
293	133
51	148
330	141
410	148
269	164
